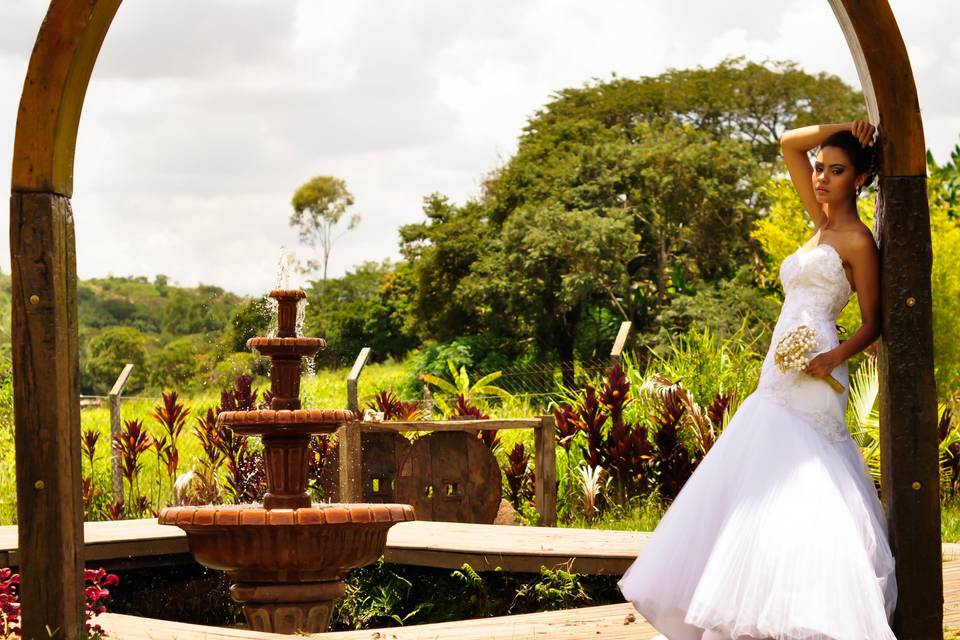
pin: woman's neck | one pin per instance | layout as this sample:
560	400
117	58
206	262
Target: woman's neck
840	216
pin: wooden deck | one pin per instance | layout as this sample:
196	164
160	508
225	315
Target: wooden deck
446	545
132	543
135	543
609	622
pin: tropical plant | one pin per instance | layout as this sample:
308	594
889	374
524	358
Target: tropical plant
594	482
459	384
863	422
385	401
706	424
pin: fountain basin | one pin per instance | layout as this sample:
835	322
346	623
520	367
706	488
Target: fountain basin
285	421
288	564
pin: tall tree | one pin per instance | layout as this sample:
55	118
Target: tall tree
318	207
623	195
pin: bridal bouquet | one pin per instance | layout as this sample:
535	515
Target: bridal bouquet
793	349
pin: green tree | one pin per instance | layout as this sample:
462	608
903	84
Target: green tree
318	207
249	319
174	365
366	307
441	252
544	267
106	354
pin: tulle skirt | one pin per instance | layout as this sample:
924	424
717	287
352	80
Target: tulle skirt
778	533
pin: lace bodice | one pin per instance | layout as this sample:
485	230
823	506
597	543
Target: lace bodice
816	290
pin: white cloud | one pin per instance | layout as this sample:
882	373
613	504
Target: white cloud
203	116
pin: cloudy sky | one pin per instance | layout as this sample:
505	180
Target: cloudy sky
203	116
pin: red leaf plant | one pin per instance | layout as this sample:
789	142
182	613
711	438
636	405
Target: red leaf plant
519	476
89	445
323	455
626	451
246	477
673	463
172	416
9	603
590	420
114	510
951	460
90	493
205	489
97	583
565	421
465	410
243	397
96	590
130	444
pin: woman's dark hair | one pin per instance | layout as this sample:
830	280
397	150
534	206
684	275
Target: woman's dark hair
864	159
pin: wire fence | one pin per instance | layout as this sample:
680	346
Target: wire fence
536	385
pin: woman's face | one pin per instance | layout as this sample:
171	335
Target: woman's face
834	176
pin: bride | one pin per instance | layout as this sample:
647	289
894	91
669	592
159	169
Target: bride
779	533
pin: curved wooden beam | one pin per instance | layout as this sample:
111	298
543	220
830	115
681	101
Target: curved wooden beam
887	80
53	92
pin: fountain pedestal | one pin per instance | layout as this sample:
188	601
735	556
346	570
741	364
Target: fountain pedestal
287	557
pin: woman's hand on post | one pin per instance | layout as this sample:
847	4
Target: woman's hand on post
863	131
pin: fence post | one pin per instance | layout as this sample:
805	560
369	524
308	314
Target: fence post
545	471
349	436
114	397
617	351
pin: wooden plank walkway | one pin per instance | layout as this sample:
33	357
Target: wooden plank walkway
446	545
608	622
132	543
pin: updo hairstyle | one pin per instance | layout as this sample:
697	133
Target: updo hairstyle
865	159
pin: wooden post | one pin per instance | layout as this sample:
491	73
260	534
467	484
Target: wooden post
909	441
47	413
617	351
348	437
114	397
908	404
545	471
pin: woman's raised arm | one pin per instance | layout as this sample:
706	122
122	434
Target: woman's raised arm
795	144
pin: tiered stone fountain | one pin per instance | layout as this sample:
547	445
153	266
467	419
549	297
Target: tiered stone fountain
287	556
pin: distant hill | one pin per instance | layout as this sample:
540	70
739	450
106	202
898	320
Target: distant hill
176	335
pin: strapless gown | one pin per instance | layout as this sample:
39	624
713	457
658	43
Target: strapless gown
779	532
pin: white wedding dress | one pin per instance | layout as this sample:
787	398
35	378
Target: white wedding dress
779	532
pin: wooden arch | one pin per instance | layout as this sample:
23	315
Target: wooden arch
44	311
